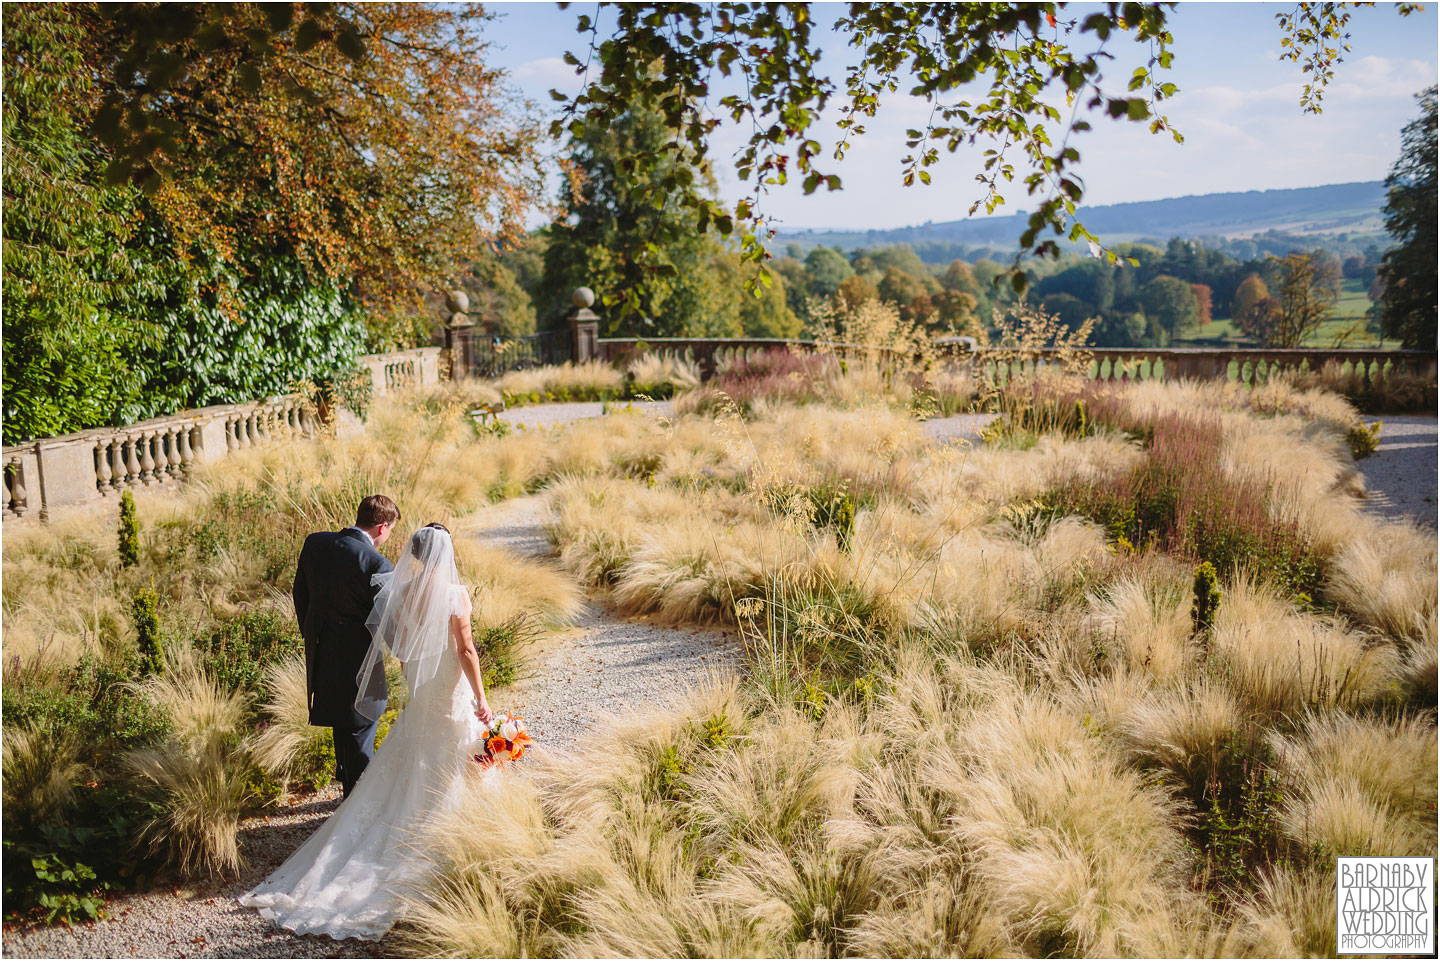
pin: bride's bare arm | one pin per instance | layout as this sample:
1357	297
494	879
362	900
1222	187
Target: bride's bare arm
470	663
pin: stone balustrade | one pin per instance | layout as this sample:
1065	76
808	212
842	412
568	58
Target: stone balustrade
1248	365
94	465
91	466
400	369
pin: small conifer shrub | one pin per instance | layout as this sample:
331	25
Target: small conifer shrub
146	608
1207	598
1364	440
129	531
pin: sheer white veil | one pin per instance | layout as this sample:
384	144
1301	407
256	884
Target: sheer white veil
411	617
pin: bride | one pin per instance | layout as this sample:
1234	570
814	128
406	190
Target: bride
348	880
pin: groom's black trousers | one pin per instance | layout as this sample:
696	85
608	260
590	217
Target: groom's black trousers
353	750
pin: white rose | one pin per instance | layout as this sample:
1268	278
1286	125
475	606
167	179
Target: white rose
508	730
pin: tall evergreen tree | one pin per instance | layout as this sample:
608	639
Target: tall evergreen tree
629	239
1409	311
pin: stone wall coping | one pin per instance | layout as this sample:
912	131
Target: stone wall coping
191	417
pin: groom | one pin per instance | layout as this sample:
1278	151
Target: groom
333	596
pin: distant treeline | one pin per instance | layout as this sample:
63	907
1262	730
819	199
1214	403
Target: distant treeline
1176	288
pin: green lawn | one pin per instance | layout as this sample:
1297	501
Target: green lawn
1348	316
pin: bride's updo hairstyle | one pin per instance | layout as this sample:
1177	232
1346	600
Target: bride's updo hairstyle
417	544
411	616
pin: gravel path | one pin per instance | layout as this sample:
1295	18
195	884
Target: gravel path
960	427
1401	475
549	415
607	664
202	920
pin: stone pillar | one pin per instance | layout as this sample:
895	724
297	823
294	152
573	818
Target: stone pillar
584	326
459	336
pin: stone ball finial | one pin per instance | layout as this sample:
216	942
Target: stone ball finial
583	297
457	301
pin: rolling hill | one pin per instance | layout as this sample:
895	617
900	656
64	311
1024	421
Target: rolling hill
1352	208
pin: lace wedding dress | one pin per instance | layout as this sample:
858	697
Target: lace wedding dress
349	880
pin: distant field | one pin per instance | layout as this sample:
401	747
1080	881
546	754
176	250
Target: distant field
1348	318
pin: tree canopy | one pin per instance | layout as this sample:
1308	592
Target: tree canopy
1408	270
1026	58
620	216
206	202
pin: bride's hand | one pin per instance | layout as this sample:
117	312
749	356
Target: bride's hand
484	714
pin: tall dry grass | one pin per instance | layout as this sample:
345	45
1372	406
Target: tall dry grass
587	381
198	778
973	726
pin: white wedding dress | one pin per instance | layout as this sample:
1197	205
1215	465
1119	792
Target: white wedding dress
350	879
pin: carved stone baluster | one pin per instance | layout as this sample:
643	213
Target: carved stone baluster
147	458
157	451
172	453
9	493
132	460
187	455
102	467
252	428
114	467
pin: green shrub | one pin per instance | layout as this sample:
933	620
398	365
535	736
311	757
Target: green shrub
501	649
1207	599
61	871
833	507
145	607
238	651
1238	829
1363	440
90	699
348	387
129	531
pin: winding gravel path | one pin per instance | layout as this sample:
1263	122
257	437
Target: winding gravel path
550	415
1401	475
607	664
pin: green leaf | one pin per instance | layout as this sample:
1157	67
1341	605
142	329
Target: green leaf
348	42
307	35
279	16
249	77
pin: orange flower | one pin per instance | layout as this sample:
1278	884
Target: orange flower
519	752
496	744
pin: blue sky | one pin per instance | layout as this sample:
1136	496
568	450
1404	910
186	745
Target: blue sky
1237	107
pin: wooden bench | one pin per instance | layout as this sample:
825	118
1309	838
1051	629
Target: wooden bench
487	412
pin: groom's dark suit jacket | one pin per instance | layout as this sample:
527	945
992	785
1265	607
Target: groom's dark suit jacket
333	596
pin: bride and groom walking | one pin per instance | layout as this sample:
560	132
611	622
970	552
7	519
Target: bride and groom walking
350	878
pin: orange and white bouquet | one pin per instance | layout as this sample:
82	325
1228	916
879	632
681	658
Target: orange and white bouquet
504	740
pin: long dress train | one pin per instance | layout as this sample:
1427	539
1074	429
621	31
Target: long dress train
349	880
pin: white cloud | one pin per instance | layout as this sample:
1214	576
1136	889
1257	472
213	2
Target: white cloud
549	73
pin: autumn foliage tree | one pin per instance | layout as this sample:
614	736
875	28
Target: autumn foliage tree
1203	302
372	139
1251	291
1306	294
207	202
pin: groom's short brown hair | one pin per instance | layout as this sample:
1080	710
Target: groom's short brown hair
375	510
